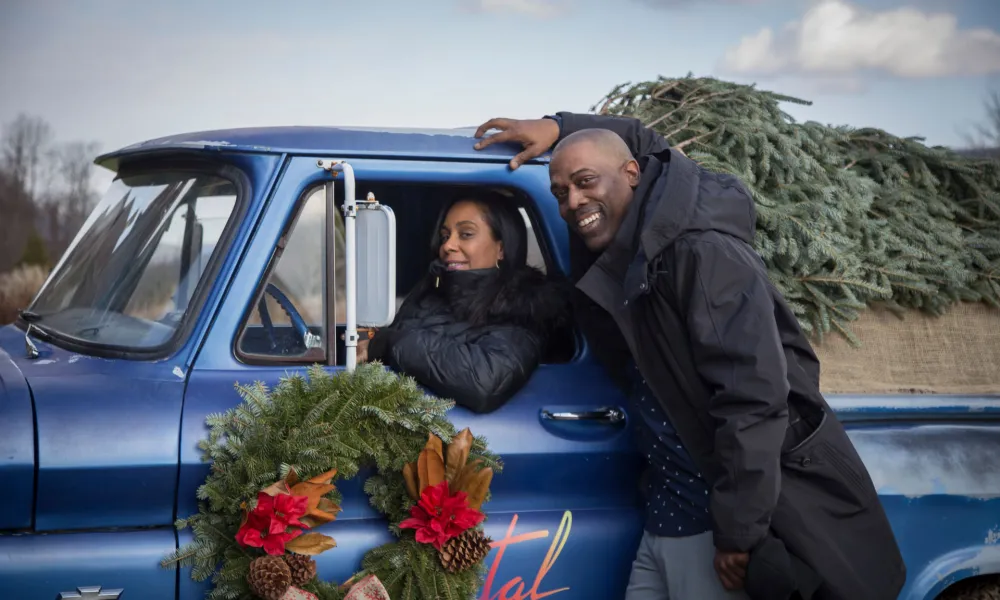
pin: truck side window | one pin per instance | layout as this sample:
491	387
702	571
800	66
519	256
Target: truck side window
286	322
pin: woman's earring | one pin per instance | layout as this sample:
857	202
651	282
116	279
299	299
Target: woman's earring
437	281
498	263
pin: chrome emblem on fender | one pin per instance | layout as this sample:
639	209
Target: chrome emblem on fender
91	592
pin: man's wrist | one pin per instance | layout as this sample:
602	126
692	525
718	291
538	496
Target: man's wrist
558	119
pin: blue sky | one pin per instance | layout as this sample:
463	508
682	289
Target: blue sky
118	72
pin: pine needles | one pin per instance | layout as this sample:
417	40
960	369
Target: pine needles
409	571
348	421
846	218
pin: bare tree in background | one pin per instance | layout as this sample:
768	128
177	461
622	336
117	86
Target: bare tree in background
45	187
26	142
17	213
23	145
70	196
985	139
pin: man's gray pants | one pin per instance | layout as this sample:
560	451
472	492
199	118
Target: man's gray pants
678	569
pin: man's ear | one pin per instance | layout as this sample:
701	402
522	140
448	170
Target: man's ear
633	173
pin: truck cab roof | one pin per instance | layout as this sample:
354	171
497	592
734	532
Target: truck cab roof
448	144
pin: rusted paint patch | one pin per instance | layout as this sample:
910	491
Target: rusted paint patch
951	568
987	560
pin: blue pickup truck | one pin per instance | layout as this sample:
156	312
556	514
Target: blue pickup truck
216	258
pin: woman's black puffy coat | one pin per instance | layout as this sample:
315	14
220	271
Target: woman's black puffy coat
469	342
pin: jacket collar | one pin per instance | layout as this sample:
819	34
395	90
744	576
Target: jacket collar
677	198
660	209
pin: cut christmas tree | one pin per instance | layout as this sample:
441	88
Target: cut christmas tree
847	219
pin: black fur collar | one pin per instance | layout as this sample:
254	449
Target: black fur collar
526	297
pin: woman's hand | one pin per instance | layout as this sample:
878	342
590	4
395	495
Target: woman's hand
363	341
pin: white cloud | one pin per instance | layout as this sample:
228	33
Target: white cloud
542	9
836	38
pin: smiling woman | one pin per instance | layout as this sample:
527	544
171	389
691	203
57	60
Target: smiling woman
468	241
477	324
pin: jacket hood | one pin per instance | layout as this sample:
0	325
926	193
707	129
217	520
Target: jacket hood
527	297
692	199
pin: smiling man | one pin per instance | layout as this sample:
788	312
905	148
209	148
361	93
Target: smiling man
580	162
754	488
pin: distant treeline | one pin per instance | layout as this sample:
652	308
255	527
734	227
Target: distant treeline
45	192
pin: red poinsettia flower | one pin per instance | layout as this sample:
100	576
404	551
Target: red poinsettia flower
284	508
256	533
267	525
440	516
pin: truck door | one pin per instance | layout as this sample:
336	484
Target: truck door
564	515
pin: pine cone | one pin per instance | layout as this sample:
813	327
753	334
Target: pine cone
303	568
269	577
464	551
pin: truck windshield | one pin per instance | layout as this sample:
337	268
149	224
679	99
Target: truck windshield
128	278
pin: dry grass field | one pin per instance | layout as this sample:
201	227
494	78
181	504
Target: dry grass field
17	287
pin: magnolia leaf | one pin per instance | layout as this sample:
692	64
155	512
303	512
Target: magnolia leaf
434	466
311	544
312	491
422	471
284	486
324	513
478	488
410	477
434	443
278	487
327	505
317	518
458	454
465	476
315	488
324	477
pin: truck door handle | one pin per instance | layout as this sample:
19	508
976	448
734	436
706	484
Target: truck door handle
608	414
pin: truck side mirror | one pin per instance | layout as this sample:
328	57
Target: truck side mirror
376	264
369	257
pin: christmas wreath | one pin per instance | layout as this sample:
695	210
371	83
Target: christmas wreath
275	459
